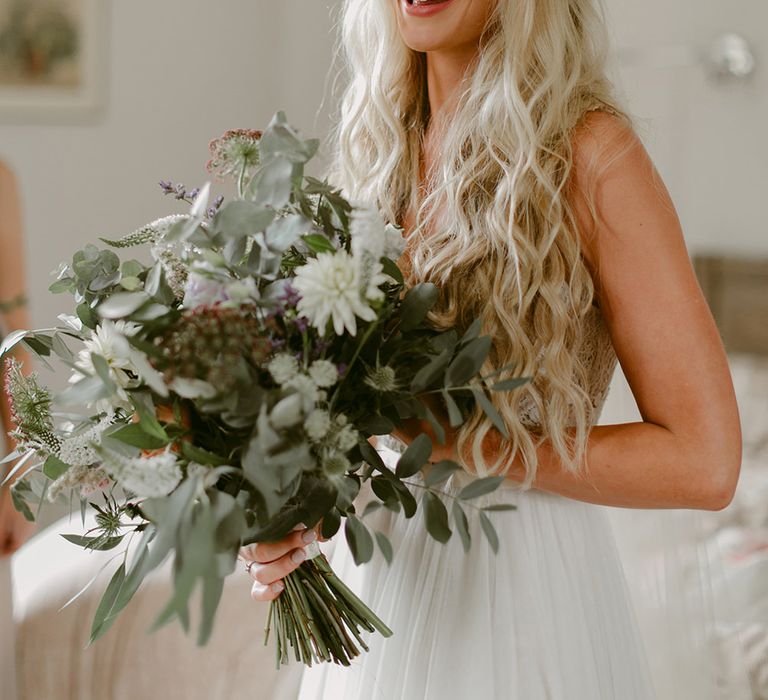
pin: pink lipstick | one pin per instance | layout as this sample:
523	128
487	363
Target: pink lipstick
424	8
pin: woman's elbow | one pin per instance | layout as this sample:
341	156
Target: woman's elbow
722	478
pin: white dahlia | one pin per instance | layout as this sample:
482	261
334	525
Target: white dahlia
329	287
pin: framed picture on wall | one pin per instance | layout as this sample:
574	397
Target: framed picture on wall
52	59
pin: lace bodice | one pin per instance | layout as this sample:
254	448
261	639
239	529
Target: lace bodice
597	352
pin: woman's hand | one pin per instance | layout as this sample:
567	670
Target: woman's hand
15	529
269	562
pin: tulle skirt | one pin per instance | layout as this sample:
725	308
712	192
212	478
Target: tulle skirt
547	617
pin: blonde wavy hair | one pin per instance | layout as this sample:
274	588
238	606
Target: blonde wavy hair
494	231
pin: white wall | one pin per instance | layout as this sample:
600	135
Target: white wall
709	139
179	74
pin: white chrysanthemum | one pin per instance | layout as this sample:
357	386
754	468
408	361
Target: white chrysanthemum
329	287
346	438
104	342
283	367
324	373
146	477
317	424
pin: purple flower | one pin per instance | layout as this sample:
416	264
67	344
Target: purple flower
302	324
290	296
342	368
166	186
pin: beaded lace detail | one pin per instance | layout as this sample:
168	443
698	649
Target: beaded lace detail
599	357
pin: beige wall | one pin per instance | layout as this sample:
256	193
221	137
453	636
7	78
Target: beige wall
181	72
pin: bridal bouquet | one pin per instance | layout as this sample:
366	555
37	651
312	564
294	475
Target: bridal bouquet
224	392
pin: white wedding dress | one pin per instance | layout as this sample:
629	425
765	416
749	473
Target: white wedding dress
547	618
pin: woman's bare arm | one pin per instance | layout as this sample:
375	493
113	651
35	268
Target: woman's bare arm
686	451
14	529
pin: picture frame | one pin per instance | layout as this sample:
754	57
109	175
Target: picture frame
52	60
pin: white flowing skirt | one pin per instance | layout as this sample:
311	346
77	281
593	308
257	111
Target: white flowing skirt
547	618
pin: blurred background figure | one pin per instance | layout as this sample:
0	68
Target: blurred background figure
14	527
693	72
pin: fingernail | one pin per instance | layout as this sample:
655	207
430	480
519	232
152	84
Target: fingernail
300	526
277	586
298	556
309	536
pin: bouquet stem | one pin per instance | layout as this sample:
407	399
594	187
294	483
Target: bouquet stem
319	617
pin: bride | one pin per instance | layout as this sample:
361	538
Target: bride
489	130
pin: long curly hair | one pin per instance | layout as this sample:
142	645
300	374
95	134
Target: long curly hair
495	230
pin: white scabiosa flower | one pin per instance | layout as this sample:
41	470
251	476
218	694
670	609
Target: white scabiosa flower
306	388
317	424
201	290
330	289
346	438
324	373
335	464
283	367
147	477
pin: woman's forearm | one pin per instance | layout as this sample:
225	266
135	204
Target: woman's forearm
641	465
634	465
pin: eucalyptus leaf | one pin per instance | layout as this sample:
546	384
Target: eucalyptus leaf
440	472
508	384
122	304
415	456
134	434
106	611
417	303
454	414
472	332
462	526
480	487
331	524
468	361
271	185
431	372
500	507
385	546
238	219
359	540
436	518
490	531
491	412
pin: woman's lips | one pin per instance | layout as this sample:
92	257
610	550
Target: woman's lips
424	8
